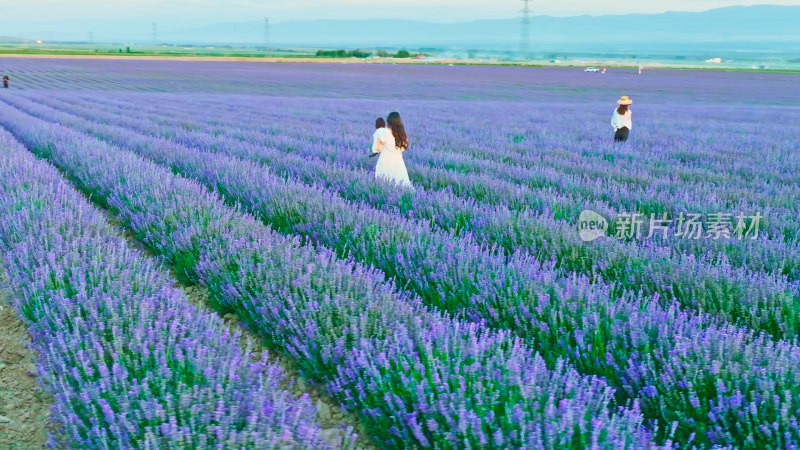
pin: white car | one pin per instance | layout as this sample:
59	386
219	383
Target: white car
591	69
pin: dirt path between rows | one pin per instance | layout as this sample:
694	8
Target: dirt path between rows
24	406
332	418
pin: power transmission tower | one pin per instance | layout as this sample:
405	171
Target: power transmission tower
266	36
155	34
525	37
91	38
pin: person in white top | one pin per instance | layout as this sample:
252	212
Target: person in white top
390	143
379	124
622	120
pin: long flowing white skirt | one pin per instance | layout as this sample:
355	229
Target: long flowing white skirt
391	167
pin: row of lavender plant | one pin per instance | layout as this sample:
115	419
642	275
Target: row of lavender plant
479	137
416	377
442	137
657	195
377	238
550	86
129	362
632	344
772	255
517	230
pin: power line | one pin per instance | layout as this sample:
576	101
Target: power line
266	35
525	37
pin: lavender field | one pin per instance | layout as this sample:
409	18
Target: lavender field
465	313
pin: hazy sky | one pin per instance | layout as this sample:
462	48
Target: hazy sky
31	12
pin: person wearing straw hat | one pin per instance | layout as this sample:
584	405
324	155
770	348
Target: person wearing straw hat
621	120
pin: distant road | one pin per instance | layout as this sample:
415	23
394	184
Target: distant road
432	61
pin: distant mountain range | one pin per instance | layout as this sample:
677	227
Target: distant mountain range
732	24
741	26
14	40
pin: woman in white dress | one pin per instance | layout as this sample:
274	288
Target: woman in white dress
622	120
390	143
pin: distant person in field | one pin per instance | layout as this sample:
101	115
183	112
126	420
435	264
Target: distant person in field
390	142
379	124
622	120
5	81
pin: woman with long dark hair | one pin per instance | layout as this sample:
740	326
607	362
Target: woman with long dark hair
391	142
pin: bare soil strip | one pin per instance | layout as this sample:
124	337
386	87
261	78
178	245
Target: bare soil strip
24	406
250	59
331	417
407	61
